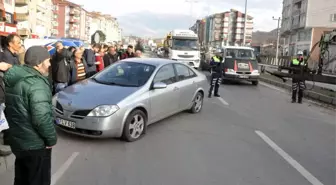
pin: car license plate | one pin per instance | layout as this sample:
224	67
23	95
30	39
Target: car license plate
243	76
66	123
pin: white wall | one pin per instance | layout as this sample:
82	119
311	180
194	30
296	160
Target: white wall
319	13
9	7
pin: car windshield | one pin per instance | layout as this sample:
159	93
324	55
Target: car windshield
125	74
239	53
185	44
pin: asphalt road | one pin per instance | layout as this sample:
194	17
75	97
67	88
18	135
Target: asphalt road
250	136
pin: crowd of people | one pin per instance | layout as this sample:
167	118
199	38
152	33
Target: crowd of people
27	82
70	65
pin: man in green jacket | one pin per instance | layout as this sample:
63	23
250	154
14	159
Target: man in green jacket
28	111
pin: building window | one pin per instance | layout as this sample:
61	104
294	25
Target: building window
333	17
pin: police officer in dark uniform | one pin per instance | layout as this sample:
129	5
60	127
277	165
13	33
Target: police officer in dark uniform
299	64
216	64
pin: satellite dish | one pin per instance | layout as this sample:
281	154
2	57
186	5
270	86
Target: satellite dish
96	37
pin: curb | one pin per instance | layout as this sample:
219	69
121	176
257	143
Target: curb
307	93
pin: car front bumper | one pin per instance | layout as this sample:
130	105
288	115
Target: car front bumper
95	127
241	77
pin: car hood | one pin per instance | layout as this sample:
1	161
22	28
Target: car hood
89	94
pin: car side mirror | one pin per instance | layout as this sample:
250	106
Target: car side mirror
159	85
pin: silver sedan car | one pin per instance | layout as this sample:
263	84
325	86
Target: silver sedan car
123	99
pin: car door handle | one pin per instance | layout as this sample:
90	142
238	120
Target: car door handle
176	88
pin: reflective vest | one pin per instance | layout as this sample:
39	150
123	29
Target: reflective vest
216	59
296	62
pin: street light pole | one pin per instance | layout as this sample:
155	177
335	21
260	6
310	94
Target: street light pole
278	39
191	9
245	20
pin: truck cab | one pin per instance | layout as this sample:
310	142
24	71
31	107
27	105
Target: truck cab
183	46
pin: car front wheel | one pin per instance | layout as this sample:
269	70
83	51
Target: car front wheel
135	126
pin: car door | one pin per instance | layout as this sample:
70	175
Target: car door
164	102
187	85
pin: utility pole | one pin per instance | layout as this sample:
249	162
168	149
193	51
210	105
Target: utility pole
278	39
245	20
191	9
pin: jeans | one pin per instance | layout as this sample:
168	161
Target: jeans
33	167
59	86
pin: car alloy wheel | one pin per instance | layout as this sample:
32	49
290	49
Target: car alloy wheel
136	126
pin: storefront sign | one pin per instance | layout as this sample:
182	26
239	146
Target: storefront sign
10	29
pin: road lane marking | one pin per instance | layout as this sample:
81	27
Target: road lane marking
305	173
272	87
59	173
222	100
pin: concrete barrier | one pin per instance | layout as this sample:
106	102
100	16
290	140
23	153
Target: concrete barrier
310	94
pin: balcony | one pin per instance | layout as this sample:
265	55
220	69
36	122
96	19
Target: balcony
21	2
40	8
22	10
23	31
54	31
22	17
40	20
73	21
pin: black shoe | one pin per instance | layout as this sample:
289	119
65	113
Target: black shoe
293	101
300	102
217	95
209	96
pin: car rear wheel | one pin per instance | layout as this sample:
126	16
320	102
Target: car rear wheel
255	82
135	126
197	103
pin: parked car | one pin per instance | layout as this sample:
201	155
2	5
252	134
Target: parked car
123	99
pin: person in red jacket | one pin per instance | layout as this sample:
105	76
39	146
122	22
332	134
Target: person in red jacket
99	60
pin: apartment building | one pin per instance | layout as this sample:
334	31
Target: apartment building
107	24
8	20
226	28
34	17
303	22
69	20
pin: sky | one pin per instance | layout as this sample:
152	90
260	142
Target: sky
261	10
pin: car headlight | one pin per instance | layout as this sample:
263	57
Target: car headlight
255	72
231	70
103	111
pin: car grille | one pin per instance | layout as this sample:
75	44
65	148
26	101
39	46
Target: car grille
80	114
240	72
59	108
185	56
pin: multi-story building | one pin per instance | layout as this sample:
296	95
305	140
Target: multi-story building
34	17
88	21
69	15
303	20
8	17
75	22
225	28
54	19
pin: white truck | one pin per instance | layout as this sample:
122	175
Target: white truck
183	46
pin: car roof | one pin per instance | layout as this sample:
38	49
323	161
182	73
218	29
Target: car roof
237	47
150	61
